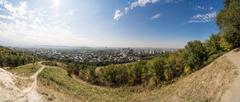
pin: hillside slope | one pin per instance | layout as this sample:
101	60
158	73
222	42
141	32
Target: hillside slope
14	88
212	83
233	93
219	81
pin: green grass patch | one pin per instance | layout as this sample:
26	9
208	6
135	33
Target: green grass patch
25	70
58	79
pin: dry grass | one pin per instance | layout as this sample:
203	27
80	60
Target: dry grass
207	84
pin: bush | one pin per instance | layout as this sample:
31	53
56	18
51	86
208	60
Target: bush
156	65
115	76
195	55
213	44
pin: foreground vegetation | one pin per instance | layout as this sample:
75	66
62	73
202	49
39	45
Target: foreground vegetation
9	58
205	85
25	70
58	80
169	66
159	70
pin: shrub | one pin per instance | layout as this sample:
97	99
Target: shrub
195	54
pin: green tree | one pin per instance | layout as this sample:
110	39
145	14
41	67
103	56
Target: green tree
156	65
195	54
225	46
115	75
213	45
229	22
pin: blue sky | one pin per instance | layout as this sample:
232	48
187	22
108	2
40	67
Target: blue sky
111	23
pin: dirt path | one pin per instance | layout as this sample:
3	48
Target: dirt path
31	92
28	94
233	93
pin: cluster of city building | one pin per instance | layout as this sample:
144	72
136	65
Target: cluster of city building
97	55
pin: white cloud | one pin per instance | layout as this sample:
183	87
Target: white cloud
117	15
203	18
6	17
18	11
71	12
1	2
156	16
211	8
142	3
174	1
21	25
139	3
200	7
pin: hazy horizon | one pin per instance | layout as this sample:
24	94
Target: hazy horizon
79	47
95	23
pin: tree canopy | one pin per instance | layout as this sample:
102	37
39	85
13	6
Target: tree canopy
229	22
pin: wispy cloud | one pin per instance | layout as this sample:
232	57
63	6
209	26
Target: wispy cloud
141	3
203	18
172	1
156	16
20	25
200	7
138	3
117	15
